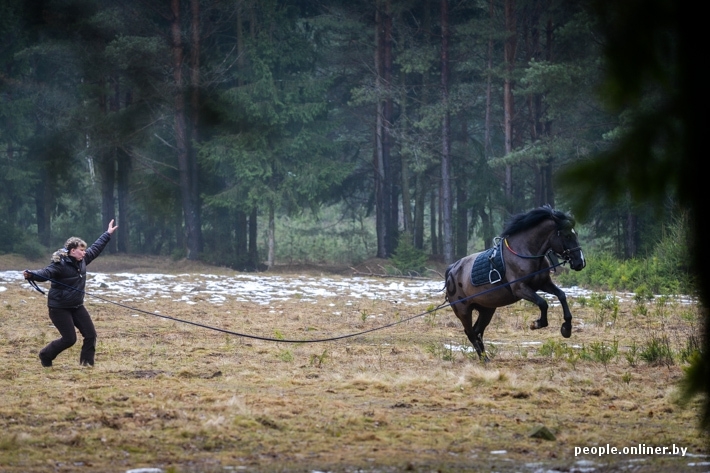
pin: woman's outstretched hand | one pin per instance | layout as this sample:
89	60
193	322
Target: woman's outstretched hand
111	227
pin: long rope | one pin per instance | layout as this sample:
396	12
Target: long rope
319	340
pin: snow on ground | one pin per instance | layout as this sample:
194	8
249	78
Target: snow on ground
260	289
266	289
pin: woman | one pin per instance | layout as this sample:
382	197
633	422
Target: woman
67	272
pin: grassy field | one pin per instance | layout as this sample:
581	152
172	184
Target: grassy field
182	398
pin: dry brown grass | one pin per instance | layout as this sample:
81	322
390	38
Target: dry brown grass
184	399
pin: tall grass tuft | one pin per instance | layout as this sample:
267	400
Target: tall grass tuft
657	351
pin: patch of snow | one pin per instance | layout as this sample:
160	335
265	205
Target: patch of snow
267	289
259	289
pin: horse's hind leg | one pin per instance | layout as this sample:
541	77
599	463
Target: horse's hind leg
476	336
465	315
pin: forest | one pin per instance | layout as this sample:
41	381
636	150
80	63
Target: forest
251	132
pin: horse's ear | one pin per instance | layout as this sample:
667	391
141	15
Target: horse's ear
566	223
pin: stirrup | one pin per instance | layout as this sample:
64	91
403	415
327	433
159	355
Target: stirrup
490	276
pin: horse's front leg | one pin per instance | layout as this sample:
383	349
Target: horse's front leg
550	288
527	293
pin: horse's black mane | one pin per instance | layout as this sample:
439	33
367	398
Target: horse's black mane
524	221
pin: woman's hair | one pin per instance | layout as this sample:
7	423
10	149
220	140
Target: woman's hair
74	242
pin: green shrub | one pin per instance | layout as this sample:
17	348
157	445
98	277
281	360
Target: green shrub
604	353
324	236
657	351
665	270
31	249
606	308
632	354
693	345
408	259
649	276
552	348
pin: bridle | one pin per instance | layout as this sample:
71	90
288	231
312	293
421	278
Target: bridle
565	255
507	245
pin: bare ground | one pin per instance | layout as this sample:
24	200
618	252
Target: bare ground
182	398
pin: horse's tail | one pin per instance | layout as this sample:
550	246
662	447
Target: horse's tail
449	283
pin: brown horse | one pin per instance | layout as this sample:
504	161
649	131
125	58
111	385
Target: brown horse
525	248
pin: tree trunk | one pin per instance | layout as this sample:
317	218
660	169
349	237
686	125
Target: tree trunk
108	183
240	42
508	100
404	164
43	209
487	227
185	167
421	178
106	158
272	238
390	194
123	191
241	226
539	128
630	233
547	126
195	107
461	220
195	70
14	197
489	85
240	235
379	165
433	227
123	170
404	179
253	236
461	226
446	203
419	205
380	222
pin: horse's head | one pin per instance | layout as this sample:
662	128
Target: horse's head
548	226
566	245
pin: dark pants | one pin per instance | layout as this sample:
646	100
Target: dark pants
65	320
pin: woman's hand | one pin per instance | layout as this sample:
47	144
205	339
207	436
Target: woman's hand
111	227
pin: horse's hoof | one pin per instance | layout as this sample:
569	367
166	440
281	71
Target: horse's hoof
566	331
537	325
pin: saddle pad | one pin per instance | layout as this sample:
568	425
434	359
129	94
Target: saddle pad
489	267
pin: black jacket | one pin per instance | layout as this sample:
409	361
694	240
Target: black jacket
69	275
